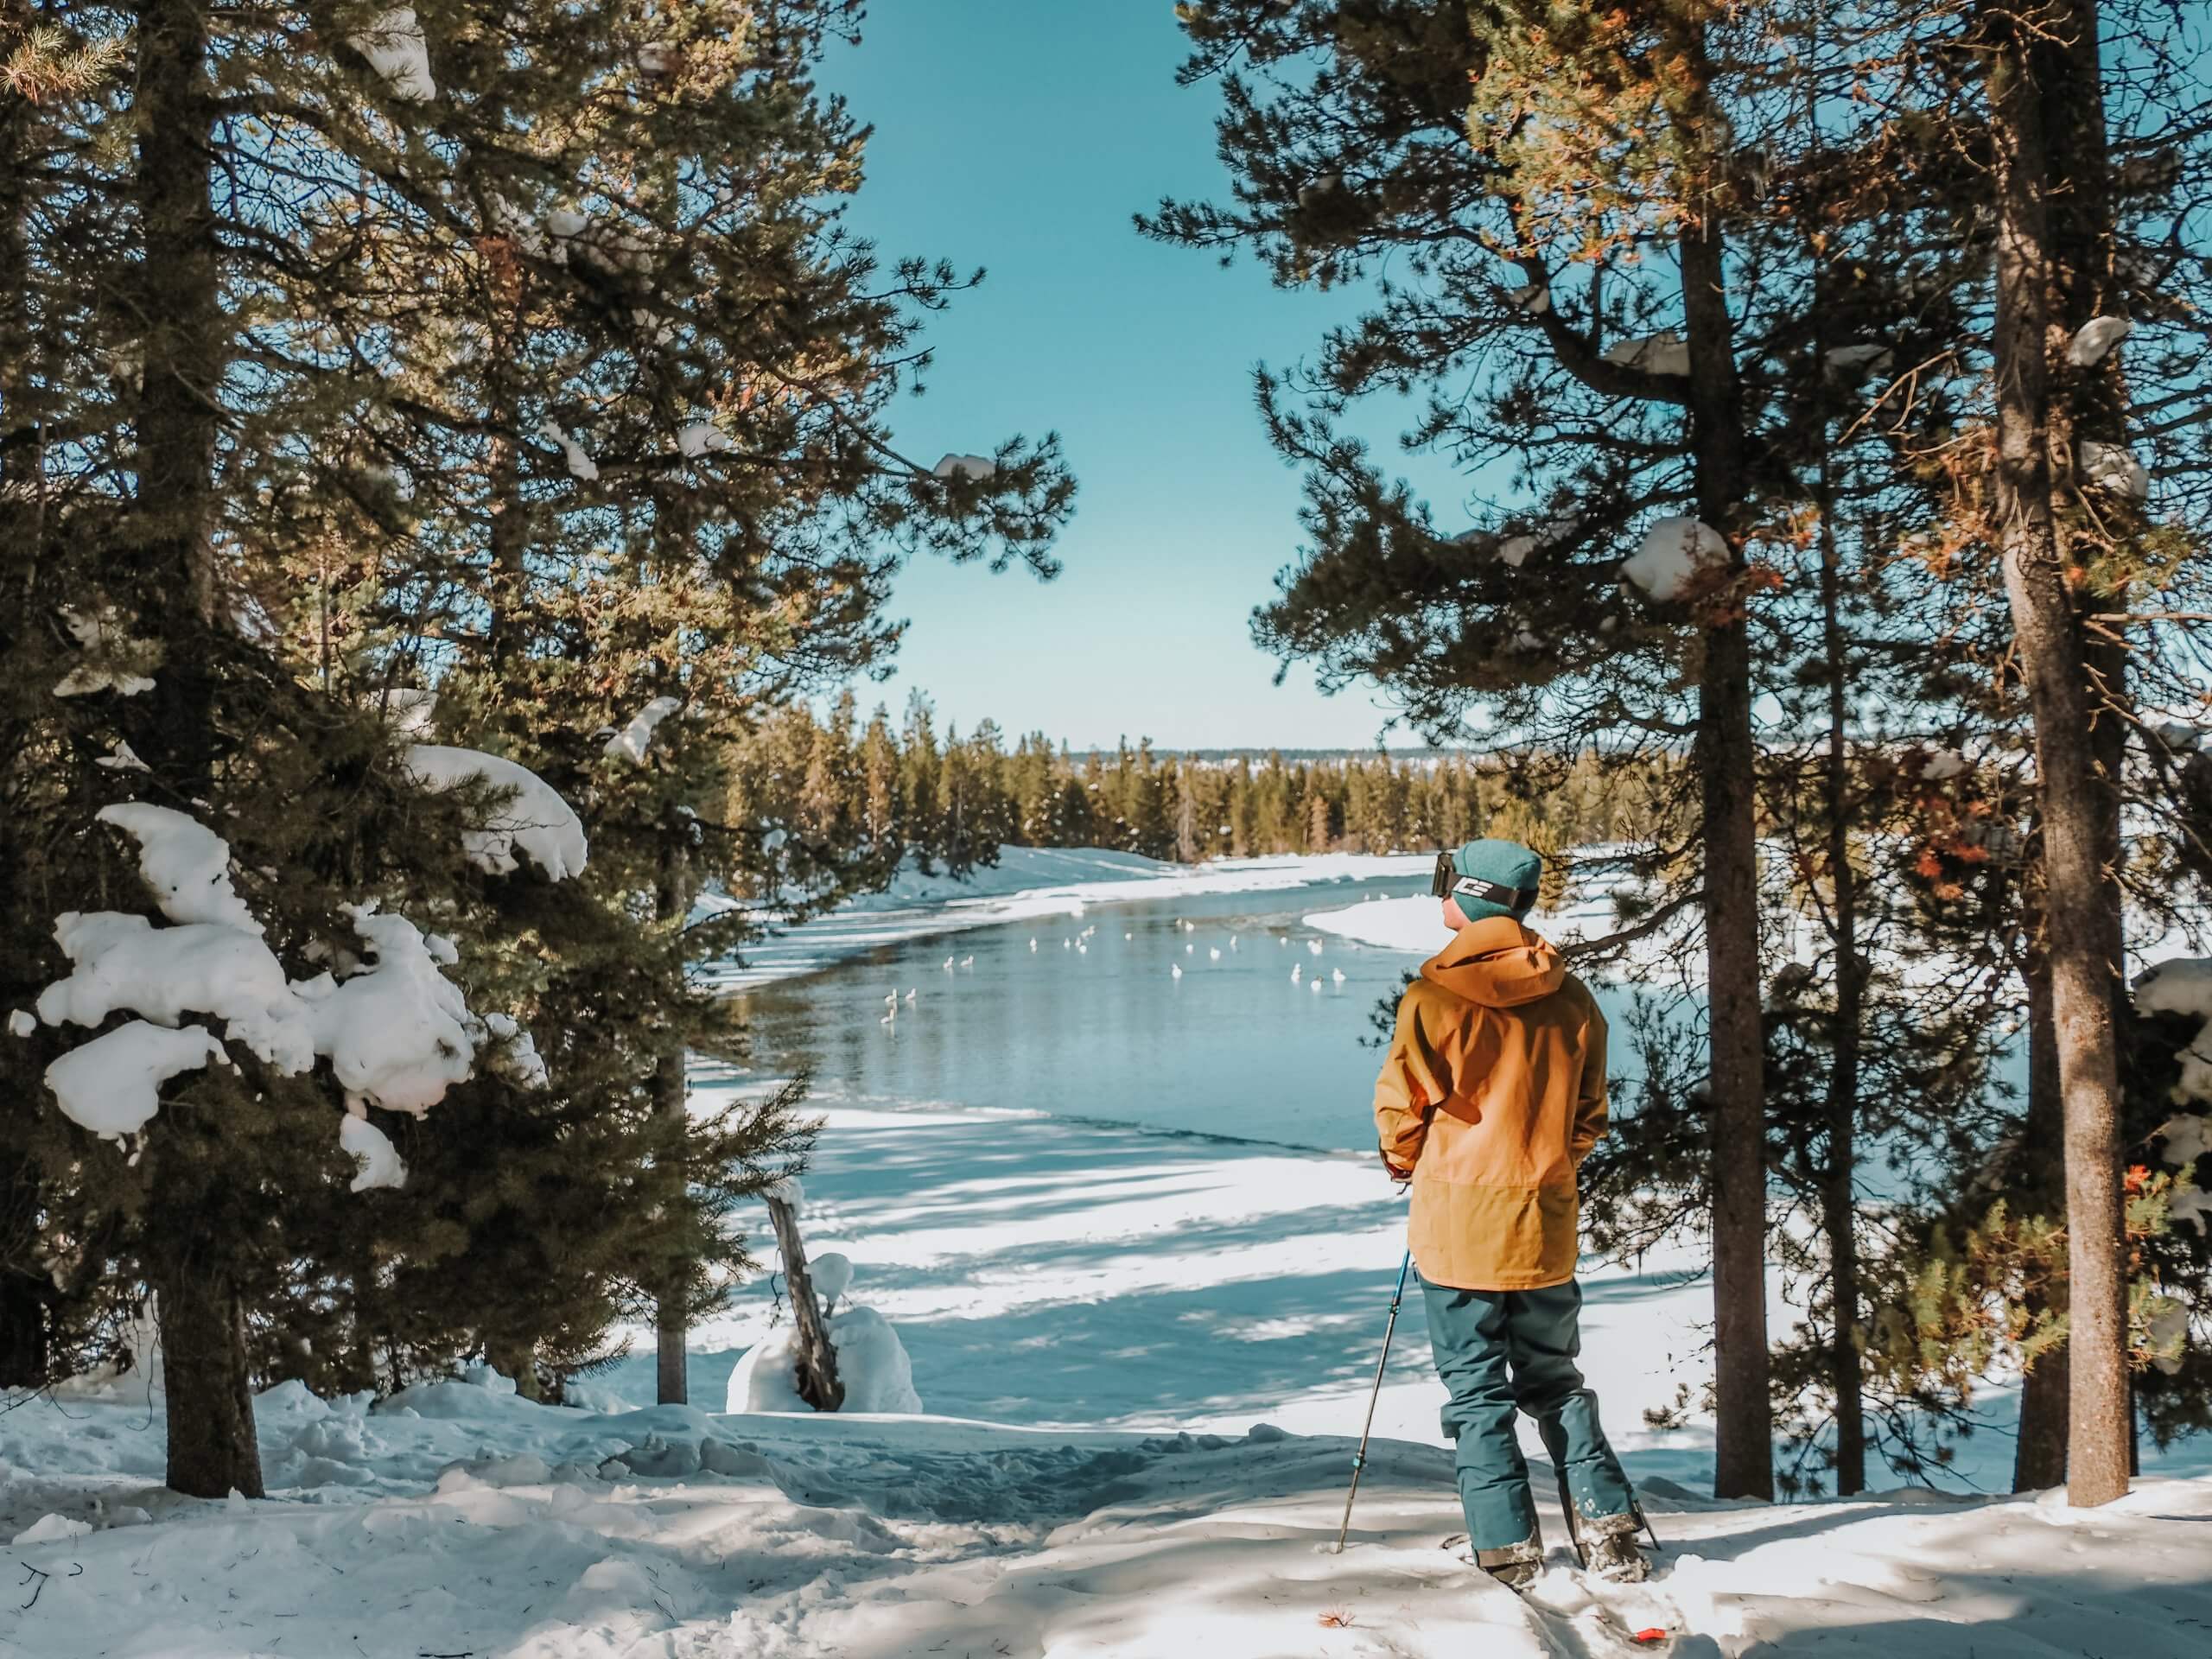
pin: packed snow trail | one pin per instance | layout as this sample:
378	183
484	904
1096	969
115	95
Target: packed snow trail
471	1522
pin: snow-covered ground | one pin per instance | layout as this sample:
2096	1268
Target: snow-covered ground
1032	882
1145	1356
1207	1311
476	1524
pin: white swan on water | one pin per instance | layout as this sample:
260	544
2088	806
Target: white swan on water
1176	969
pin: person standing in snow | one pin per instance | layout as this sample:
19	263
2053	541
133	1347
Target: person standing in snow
1493	1093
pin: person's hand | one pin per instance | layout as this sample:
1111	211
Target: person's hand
1393	1171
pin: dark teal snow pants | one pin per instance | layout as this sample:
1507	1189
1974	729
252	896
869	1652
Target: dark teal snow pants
1504	1351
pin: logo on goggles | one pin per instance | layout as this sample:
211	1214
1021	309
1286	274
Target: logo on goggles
1448	881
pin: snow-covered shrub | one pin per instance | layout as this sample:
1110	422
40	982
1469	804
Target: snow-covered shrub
396	1032
872	1363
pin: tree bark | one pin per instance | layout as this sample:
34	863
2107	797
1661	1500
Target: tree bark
207	1392
817	1361
2039	1456
212	1449
672	900
1839	1200
1727	763
2080	893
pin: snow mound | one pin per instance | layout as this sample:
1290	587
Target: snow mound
395	48
790	1190
832	1272
534	818
1676	556
112	1085
186	864
872	1364
52	1529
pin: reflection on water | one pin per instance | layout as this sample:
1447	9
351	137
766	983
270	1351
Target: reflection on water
1095	1023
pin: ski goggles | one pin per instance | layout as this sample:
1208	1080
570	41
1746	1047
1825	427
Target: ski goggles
1446	882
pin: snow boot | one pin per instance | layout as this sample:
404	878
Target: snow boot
1516	1566
1608	1547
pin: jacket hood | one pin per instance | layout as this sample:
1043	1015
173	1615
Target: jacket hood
1497	963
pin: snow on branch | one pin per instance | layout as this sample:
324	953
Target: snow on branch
112	657
975	467
2095	338
1677	554
2184	986
378	1159
534	818
395	48
703	438
111	1085
396	1032
186	864
634	739
125	963
1664	352
398	1035
580	465
2112	466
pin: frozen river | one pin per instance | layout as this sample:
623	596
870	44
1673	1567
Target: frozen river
1093	1021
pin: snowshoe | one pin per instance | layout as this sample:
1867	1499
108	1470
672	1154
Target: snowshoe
1516	1566
1607	1543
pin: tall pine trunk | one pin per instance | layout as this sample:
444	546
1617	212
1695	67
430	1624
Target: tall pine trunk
2080	891
1727	766
23	1290
671	1320
1840	1199
210	1403
2039	1455
207	1391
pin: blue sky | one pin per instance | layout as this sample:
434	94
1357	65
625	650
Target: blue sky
1021	136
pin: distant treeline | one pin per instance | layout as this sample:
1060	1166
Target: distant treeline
952	800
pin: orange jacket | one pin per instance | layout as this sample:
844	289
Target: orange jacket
1493	1094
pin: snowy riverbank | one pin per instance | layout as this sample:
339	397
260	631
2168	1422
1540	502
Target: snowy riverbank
1034	882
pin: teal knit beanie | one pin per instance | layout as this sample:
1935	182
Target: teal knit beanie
1507	863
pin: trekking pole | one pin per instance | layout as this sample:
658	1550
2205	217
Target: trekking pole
1359	1461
